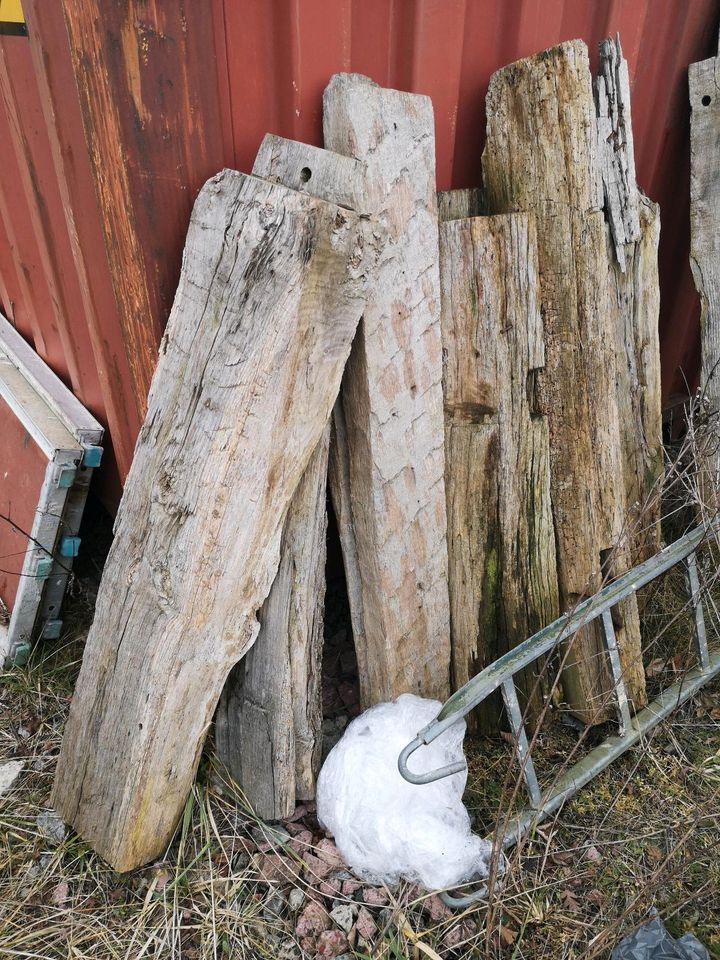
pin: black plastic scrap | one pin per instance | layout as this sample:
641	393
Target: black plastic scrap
653	942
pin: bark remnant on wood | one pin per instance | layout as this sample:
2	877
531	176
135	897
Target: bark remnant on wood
394	506
542	155
270	294
501	546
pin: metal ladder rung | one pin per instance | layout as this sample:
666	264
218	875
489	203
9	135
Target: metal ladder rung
522	747
623	709
701	647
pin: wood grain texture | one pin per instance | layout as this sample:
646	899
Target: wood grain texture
635	306
268	722
392	399
270	295
616	150
269	718
501	546
704	78
633	231
458	204
542	155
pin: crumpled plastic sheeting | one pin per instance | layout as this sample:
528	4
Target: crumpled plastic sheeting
653	942
387	828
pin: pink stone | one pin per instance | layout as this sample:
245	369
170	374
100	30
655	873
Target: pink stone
328	852
349	887
315	868
375	896
274	869
331	943
435	908
331	887
365	925
298	814
313	920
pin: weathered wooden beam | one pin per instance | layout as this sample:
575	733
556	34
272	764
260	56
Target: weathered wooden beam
270	295
632	236
635	310
392	400
542	155
270	715
616	150
501	546
705	254
268	722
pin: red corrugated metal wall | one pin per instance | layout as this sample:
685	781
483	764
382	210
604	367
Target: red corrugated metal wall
114	112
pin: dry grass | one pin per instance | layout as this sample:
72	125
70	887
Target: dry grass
643	834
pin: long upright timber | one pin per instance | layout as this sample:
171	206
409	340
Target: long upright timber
542	155
501	542
271	292
392	513
705	251
632	235
268	724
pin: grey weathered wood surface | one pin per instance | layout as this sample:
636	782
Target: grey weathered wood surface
704	78
542	155
457	204
268	724
633	230
616	150
635	306
271	291
392	398
501	542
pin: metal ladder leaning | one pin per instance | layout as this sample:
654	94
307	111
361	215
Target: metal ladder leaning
500	674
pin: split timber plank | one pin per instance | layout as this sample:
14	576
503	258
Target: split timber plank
501	542
632	236
270	294
635	305
269	719
268	723
541	155
616	150
704	80
392	399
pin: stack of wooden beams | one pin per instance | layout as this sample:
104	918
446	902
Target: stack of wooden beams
474	379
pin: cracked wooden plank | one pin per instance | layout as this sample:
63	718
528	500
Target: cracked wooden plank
616	151
268	724
270	294
541	155
502	564
632	234
392	401
704	78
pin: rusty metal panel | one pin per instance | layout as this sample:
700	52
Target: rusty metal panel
280	55
114	112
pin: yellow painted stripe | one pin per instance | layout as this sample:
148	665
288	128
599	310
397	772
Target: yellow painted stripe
11	11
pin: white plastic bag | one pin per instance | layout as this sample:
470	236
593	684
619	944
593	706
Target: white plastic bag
387	828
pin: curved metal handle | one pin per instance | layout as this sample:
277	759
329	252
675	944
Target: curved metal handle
432	775
457	903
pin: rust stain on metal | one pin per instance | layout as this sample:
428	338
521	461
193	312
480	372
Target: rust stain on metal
144	100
